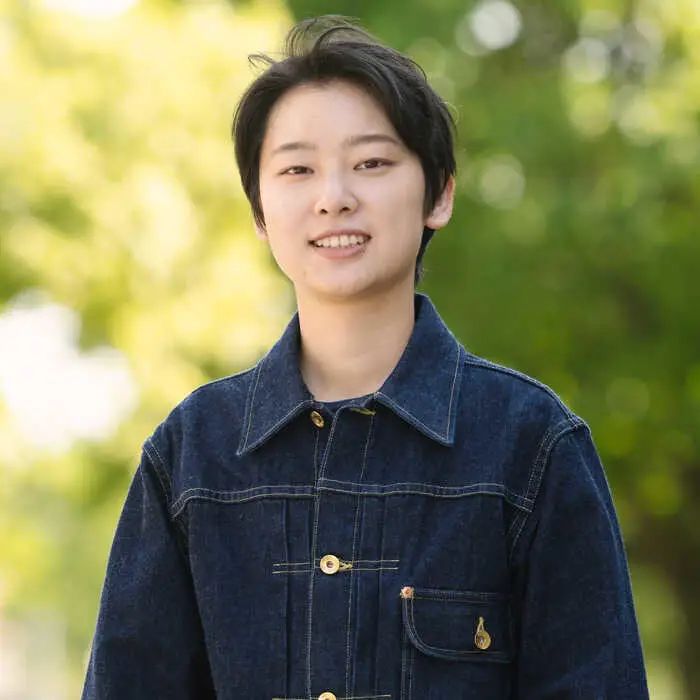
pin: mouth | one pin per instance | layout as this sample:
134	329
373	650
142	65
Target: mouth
341	240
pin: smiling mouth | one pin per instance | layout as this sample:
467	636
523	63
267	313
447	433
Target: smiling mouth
341	241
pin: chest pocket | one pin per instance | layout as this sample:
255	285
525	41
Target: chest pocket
457	645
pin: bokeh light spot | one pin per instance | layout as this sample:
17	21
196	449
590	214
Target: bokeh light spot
502	182
495	24
54	393
588	61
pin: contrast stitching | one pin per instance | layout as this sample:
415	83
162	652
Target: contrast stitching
292	571
421	489
252	403
354	568
306	571
407	414
354	561
314	545
411	663
276	491
452	392
316	464
283	419
355	533
312	570
481	363
455	653
159	458
404	669
546	443
367	490
543	456
460	601
160	472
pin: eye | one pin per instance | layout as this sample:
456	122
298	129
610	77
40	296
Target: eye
296	170
373	164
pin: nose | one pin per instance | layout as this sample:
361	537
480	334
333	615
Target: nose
335	196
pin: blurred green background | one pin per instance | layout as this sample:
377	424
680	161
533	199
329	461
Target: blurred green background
129	271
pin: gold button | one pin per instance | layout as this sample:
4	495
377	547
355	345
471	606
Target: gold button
317	419
482	639
330	565
327	696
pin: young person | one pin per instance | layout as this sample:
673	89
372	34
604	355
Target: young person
370	512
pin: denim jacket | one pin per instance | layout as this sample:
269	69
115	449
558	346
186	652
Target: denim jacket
450	536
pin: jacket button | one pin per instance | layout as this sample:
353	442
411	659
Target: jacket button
330	565
317	419
482	639
327	696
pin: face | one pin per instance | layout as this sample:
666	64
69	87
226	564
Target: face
342	196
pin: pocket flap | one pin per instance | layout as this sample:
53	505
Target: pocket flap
458	625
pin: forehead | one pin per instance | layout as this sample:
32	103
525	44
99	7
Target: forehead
324	111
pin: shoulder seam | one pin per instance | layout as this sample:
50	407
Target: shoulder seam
475	361
549	441
159	468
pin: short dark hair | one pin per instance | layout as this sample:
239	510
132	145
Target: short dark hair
328	48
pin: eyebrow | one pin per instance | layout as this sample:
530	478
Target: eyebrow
351	141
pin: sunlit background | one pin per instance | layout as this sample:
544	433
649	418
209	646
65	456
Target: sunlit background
130	274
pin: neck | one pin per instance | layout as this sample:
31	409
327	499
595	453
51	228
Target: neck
349	349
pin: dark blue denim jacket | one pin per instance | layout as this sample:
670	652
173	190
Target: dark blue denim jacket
451	536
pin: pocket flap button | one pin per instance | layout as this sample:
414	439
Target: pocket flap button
327	696
482	639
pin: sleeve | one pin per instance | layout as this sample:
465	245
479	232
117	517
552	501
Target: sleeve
148	641
577	626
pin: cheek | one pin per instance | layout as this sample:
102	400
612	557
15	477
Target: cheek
409	195
280	205
406	207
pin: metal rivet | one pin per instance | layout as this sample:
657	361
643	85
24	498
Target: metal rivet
407	592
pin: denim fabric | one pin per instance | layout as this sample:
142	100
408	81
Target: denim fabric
477	551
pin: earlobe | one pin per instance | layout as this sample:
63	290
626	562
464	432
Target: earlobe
442	211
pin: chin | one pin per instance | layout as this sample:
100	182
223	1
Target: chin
355	290
336	290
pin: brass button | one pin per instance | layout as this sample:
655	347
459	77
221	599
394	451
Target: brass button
317	419
482	639
327	696
330	565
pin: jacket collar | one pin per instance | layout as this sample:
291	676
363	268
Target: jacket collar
422	389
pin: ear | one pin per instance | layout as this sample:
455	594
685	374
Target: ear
442	211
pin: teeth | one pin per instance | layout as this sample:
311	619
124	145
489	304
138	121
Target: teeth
342	241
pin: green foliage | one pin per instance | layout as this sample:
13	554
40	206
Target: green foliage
119	199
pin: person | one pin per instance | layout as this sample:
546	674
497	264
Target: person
371	512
